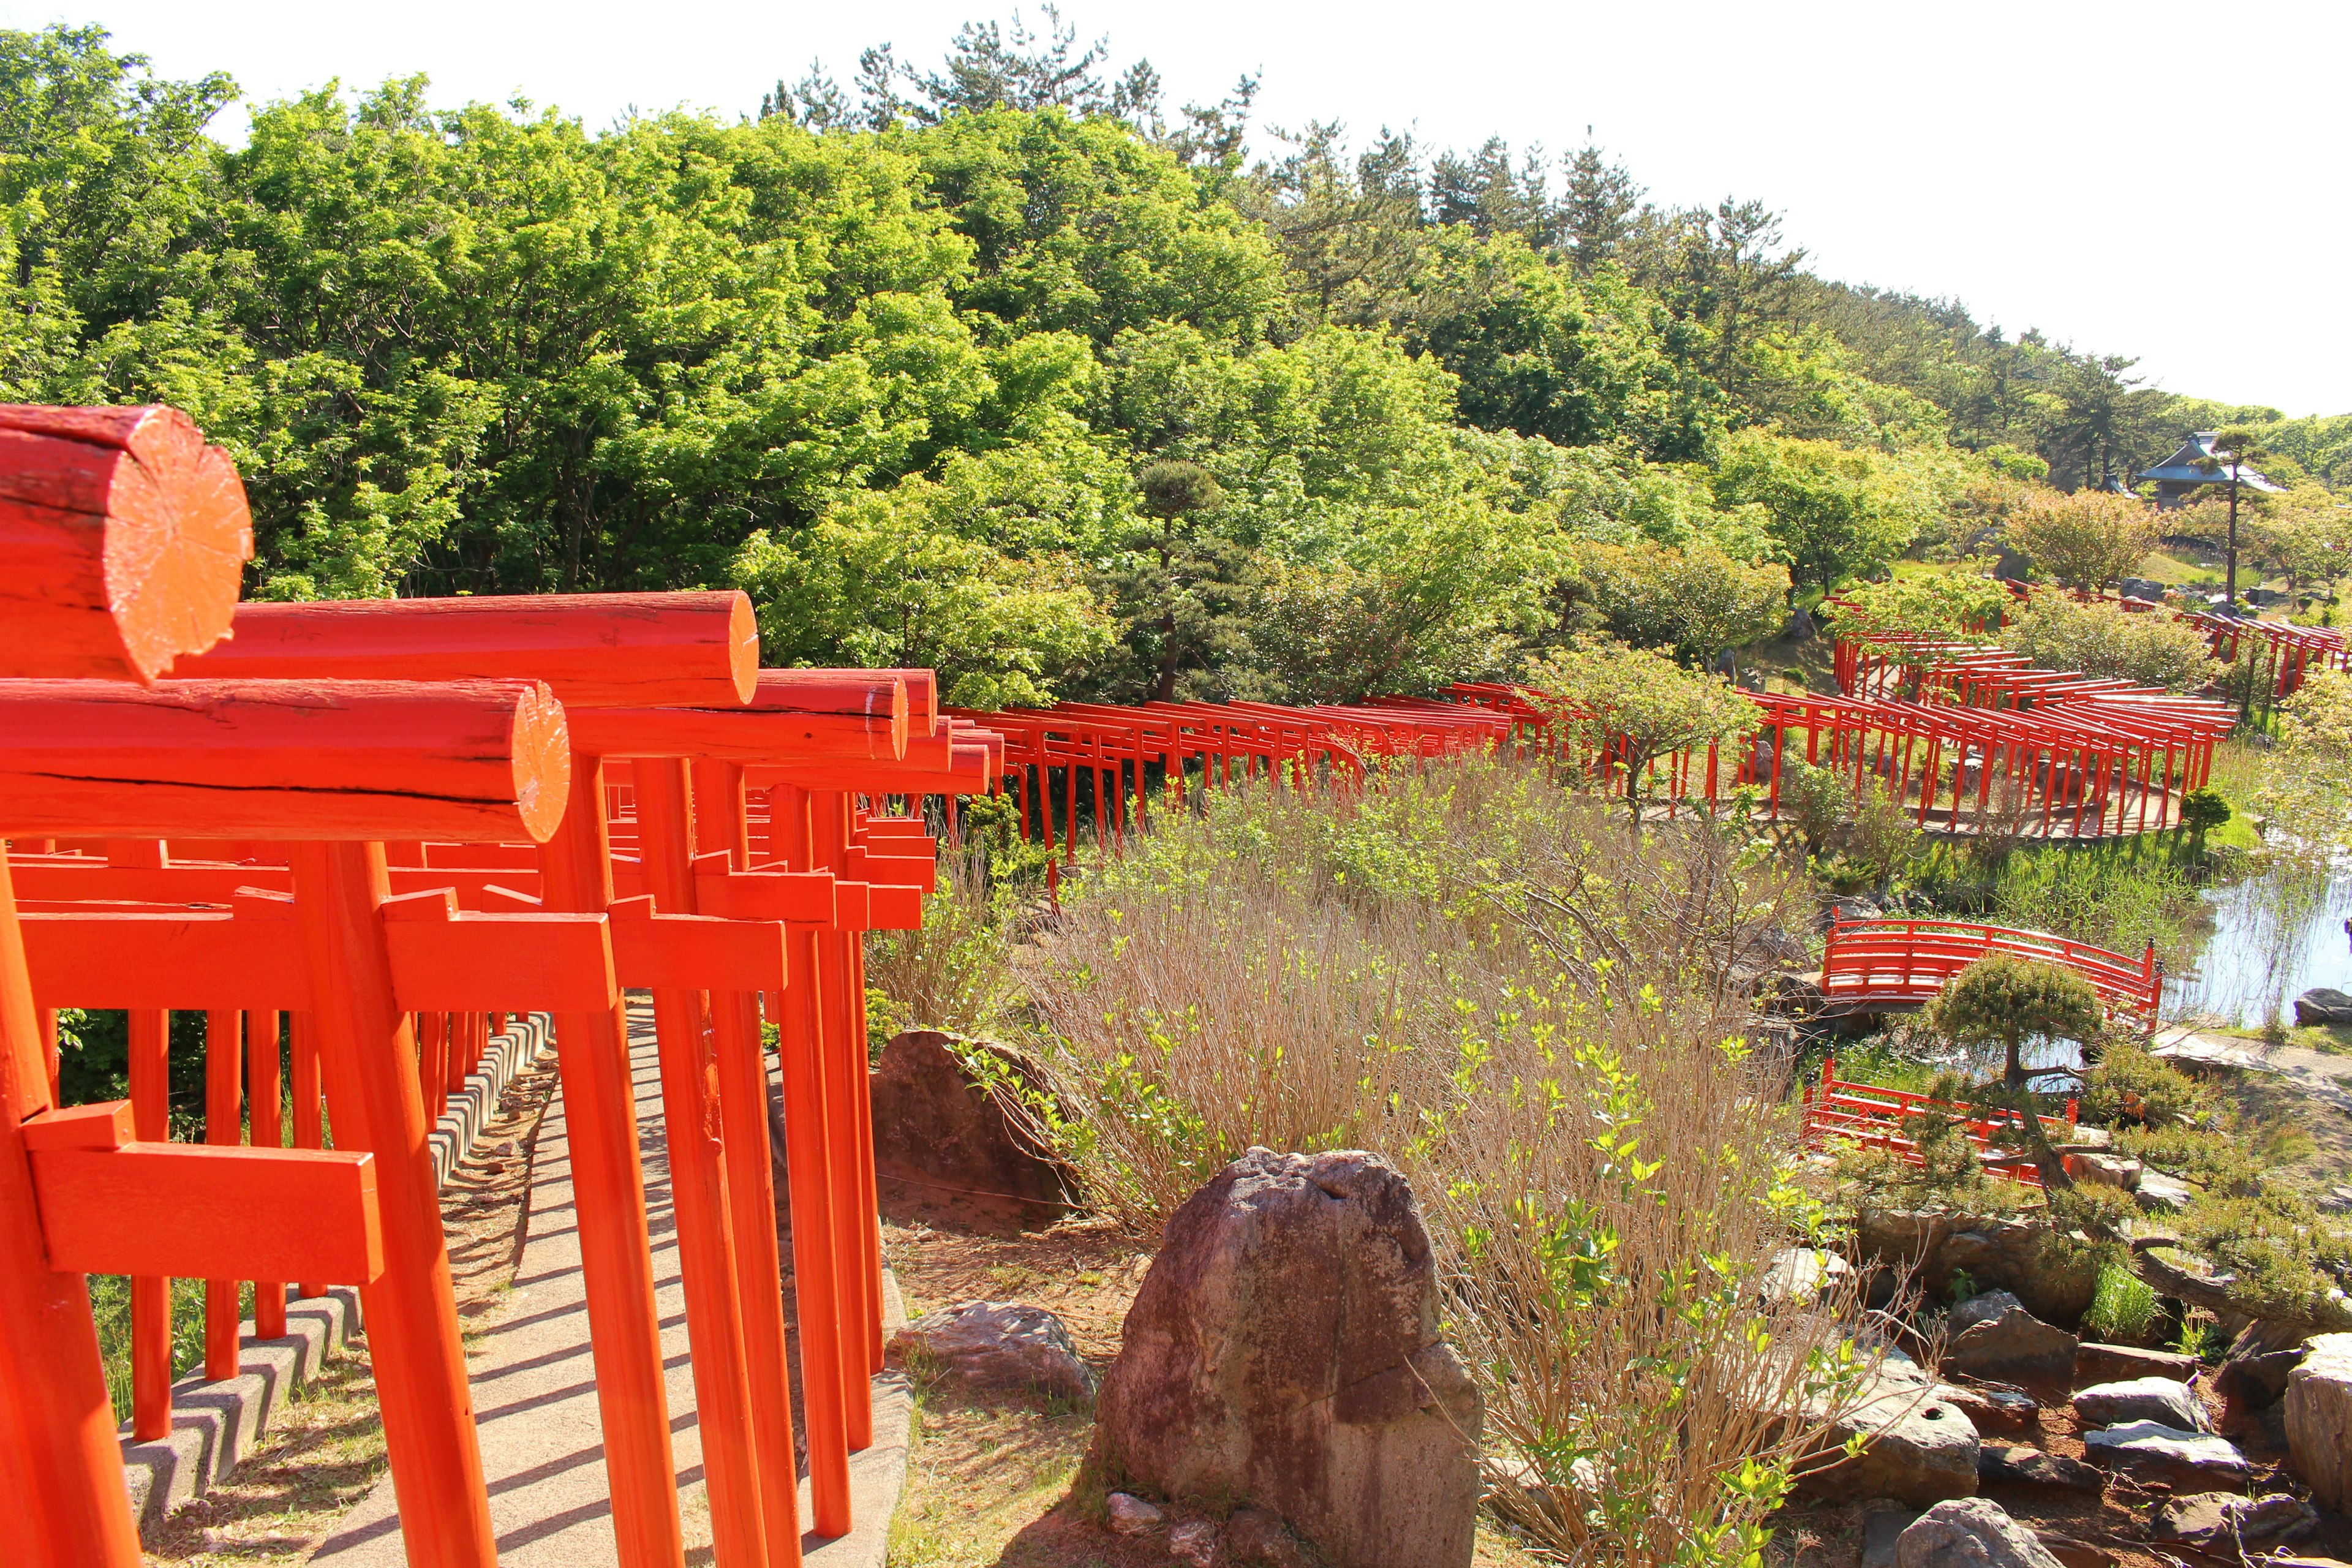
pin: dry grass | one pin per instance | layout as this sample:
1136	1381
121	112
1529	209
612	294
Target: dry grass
1542	1019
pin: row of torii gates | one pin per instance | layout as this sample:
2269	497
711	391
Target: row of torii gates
380	826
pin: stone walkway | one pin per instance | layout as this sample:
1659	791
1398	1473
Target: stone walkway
535	1393
2326	1078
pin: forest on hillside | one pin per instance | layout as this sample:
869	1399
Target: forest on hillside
1008	368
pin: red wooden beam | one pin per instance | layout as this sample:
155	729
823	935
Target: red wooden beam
122	539
590	649
315	761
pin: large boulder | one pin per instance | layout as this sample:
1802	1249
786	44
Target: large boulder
2226	1522
2015	1347
2158	1399
1969	1533
2054	1278
939	1129
1283	1351
2179	1458
2323	1005
2005	1463
997	1344
2319	1413
1918	1444
2095	1363
2257	1381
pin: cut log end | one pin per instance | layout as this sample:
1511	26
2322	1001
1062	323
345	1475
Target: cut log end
541	749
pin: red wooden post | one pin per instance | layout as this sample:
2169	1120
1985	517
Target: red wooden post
264	1114
150	1298
223	1084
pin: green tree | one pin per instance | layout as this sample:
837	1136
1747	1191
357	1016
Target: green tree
2234	451
2004	1000
2106	640
1597	211
1642	705
1833	511
2085	540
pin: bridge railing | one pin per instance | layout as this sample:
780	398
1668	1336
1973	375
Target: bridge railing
1871	1115
1892	959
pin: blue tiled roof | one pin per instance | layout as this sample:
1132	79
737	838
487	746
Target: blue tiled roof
2185	466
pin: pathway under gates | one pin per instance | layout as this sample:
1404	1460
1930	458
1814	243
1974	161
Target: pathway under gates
535	1392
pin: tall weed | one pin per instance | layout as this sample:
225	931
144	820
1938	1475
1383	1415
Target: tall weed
1543	1021
2120	897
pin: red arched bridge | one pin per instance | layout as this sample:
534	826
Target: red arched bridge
1894	963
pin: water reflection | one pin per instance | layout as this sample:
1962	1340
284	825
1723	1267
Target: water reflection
2275	936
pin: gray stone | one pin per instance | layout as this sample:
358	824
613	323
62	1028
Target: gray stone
2158	1399
999	1344
2140	588
1986	1308
1970	1533
1919	1447
1993	1409
2226	1521
2323	1005
1258	1538
1195	1542
2056	1282
2152	1452
1285	1350
937	1128
2095	1363
2319	1413
2016	1347
2006	1465
1130	1515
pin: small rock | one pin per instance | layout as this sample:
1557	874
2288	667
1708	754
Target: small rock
2156	1399
1993	1409
1801	1274
2221	1519
1985	1309
1917	1447
2323	1005
1259	1539
2337	1200
2149	1451
2015	1347
2095	1363
1195	1542
2258	1381
2020	1466
2074	1553
2104	1169
1131	1515
1000	1344
1970	1533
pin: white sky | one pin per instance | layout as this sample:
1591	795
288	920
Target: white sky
2055	164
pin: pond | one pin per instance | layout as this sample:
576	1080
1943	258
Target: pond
2270	940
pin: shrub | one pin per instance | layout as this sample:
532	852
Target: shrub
2105	639
2124	1310
2127	1084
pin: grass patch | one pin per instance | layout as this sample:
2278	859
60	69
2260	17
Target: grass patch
2123	1309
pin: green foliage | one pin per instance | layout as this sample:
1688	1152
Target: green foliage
2124	1310
2105	639
2004	1000
1834	512
2085	540
2202	810
1957	606
2120	897
2307	780
1653	706
2127	1084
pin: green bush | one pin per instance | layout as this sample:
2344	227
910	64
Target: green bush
2004	1000
2129	1085
2124	1310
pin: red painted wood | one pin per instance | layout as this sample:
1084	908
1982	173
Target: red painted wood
743	736
608	1186
57	1424
194	1211
265	1109
151	1297
445	961
696	649
123	540
314	759
224	1107
695	952
370	1063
